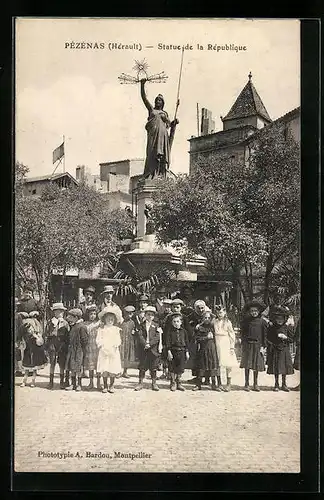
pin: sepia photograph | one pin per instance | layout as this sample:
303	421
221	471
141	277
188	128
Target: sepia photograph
157	245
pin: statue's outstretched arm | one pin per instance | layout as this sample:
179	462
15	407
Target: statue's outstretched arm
144	98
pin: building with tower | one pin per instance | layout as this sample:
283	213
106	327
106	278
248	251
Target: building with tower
241	126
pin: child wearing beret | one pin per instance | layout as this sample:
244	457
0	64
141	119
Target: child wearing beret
280	335
253	335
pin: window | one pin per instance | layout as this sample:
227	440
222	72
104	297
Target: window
34	191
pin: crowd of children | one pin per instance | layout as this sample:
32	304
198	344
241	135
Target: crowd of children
105	341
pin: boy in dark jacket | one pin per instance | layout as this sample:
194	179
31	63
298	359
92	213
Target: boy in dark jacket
77	346
56	343
177	345
149	338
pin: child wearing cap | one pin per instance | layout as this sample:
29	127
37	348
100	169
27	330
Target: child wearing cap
91	357
56	343
128	340
34	357
150	347
206	356
253	337
225	343
108	342
279	336
176	307
177	345
139	317
77	347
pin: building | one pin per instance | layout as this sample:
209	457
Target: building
83	174
241	126
117	174
34	186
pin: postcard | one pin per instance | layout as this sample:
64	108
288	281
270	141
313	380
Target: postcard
157	228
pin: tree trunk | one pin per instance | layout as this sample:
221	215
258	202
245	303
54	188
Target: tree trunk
267	278
62	284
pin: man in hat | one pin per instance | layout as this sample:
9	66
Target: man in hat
27	302
56	343
150	347
127	350
77	346
160	296
88	300
107	301
163	317
193	319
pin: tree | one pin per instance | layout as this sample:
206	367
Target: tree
193	214
271	198
64	229
242	216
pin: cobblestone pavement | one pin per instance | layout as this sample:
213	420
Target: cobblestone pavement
201	431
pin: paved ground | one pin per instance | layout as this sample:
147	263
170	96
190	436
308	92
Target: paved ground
179	432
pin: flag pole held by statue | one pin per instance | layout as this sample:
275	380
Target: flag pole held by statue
174	124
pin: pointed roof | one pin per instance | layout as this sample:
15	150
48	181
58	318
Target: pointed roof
248	103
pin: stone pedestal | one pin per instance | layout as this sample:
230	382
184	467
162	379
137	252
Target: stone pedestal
145	190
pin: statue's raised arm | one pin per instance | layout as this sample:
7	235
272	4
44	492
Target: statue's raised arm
147	103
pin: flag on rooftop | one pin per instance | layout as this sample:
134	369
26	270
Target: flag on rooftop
58	153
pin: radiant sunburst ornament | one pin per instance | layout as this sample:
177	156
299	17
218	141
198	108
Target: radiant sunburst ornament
141	68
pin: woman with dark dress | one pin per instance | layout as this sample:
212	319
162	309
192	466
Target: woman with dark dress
206	357
279	336
253	336
34	357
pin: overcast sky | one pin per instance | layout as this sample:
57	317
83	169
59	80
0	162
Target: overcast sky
76	92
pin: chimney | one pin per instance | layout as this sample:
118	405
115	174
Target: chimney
80	173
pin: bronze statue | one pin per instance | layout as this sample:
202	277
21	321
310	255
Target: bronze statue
159	141
160	130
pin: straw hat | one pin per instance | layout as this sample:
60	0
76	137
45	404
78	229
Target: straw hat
32	314
177	302
254	303
58	306
107	310
108	289
91	307
150	309
129	309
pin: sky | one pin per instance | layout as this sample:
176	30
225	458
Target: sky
66	90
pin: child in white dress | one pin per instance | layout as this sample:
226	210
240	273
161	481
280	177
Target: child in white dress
225	342
108	341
